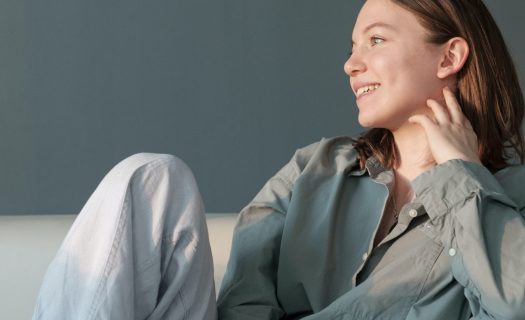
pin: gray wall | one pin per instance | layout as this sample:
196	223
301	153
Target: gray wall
231	87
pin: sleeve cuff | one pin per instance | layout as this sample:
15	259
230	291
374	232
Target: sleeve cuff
442	187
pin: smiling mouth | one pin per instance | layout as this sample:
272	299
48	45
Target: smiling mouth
366	90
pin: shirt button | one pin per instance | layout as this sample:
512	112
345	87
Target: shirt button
365	255
412	213
451	252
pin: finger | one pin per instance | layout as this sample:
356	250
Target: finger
454	109
423	120
440	112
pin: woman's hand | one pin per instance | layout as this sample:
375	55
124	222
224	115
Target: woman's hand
450	135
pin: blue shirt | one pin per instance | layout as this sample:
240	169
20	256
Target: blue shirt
303	247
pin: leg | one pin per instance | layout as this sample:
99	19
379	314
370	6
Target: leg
139	249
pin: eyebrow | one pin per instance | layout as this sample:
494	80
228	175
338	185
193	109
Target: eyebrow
378	24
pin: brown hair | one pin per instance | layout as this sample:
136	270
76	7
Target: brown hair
488	86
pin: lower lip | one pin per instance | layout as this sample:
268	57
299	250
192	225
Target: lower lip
364	96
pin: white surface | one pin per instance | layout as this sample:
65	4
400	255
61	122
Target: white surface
28	243
220	229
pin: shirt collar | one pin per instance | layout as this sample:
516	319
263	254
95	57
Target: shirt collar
372	166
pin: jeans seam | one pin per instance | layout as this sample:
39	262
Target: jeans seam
111	257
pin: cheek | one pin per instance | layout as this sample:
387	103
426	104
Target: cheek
416	80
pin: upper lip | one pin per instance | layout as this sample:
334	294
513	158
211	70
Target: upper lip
359	84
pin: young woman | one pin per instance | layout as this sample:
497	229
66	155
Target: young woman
418	218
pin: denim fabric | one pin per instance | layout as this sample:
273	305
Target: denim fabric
139	249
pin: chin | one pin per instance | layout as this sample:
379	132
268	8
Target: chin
383	120
369	122
373	115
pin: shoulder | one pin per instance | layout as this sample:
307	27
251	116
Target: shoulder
327	148
330	146
331	154
511	179
313	164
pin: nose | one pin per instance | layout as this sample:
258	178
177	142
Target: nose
354	65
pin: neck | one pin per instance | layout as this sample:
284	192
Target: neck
413	150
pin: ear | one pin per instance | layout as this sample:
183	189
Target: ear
455	54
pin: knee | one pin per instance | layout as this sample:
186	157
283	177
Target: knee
165	183
148	164
139	160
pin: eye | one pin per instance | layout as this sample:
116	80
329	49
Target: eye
376	40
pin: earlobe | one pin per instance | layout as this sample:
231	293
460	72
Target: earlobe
455	54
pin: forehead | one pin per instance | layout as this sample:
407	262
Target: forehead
388	15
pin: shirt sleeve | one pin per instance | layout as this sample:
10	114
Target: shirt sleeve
483	231
248	290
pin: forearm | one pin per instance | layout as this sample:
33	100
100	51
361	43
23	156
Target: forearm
483	231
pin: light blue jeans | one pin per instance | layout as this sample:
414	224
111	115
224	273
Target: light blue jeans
139	249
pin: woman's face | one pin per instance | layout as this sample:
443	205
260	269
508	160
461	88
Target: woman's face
392	69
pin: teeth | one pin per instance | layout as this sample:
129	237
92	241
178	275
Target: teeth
366	89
